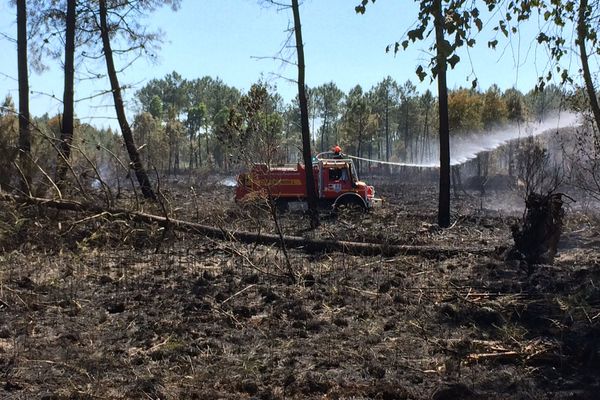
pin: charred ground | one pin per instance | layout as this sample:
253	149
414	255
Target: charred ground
99	307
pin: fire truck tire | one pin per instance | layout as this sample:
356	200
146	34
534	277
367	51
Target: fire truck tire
282	205
350	202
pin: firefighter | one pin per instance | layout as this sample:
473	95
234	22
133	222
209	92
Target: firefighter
337	152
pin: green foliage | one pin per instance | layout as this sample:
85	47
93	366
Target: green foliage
205	119
390	121
196	117
164	98
328	99
384	99
515	106
463	20
155	107
253	131
198	104
559	17
359	123
149	134
90	149
195	121
494	112
540	103
8	141
465	111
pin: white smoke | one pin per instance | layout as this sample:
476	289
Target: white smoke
104	170
229	181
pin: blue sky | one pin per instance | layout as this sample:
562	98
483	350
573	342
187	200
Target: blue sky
235	40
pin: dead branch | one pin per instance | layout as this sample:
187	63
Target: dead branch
299	243
504	356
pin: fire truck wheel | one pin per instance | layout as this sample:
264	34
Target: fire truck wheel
282	205
350	204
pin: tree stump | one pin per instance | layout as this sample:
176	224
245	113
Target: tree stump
536	236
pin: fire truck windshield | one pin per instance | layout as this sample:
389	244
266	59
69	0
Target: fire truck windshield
339	174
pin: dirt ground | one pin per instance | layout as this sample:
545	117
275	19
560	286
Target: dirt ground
93	307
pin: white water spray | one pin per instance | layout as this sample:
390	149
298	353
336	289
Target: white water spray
465	148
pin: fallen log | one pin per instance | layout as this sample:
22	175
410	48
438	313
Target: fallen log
297	242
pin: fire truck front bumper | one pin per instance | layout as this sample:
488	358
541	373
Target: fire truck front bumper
374	202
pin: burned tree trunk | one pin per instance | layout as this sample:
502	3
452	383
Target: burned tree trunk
311	193
67	128
134	155
536	237
444	193
583	34
24	123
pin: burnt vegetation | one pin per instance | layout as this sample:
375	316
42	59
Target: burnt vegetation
134	309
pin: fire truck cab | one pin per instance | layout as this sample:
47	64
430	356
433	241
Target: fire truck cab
336	184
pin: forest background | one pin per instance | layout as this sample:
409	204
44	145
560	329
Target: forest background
370	102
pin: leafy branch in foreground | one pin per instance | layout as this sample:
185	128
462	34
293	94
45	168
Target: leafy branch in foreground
460	20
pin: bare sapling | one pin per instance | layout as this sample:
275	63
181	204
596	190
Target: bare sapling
252	130
583	162
266	200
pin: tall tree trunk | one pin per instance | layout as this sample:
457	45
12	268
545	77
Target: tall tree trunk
370	156
134	156
425	135
388	152
582	33
444	195
207	147
326	131
406	133
306	153
190	165
322	139
359	146
542	106
387	130
24	124
170	144
199	151
337	128
66	130
177	164
511	151
193	155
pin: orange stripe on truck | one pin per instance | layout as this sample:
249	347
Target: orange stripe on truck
282	182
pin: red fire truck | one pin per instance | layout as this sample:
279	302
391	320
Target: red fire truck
336	184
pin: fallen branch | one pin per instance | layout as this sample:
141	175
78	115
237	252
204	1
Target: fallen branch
237	293
300	243
503	356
